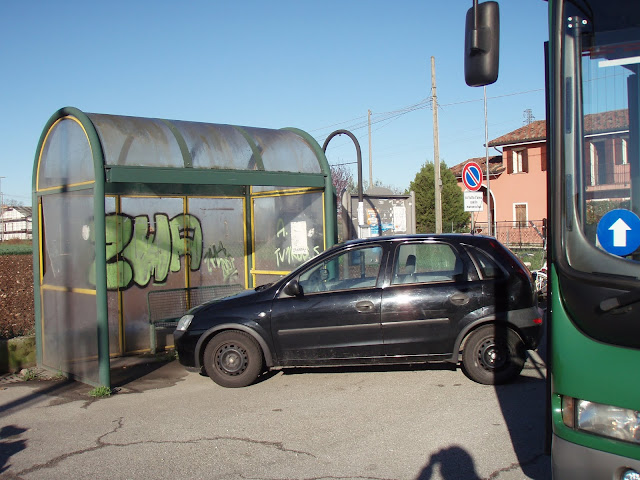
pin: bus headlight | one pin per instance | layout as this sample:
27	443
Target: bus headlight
631	475
606	420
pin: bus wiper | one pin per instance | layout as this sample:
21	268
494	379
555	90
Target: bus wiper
620	301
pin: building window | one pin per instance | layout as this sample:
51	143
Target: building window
519	162
520	215
620	151
600	172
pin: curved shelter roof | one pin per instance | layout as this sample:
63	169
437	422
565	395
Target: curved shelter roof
150	150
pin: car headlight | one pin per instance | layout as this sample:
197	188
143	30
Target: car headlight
184	322
606	420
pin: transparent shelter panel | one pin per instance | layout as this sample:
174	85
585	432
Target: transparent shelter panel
65	158
69	247
222	261
150	239
263	279
216	146
131	141
70	335
284	151
288	230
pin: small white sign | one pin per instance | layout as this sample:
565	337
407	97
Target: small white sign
299	238
399	219
473	201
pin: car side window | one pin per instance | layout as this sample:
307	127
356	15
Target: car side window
350	269
487	266
427	263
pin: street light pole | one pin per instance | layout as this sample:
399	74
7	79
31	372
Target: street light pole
486	148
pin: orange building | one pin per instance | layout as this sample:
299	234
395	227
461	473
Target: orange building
518	177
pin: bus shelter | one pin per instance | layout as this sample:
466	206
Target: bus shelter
124	206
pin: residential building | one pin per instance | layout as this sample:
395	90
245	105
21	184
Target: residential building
518	176
15	223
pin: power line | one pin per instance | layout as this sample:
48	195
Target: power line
424	103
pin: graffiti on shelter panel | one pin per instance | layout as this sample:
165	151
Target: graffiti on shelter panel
139	251
291	253
217	257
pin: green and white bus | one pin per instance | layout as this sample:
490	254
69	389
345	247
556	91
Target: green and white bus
593	133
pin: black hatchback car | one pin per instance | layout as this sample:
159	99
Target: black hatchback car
384	300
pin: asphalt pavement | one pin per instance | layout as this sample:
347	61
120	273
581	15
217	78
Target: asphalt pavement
420	422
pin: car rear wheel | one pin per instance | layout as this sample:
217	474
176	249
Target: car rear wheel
493	354
233	359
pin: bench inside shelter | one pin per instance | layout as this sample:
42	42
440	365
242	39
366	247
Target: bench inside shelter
167	306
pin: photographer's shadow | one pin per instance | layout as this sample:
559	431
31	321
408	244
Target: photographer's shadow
454	462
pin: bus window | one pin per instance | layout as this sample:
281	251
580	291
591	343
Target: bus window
600	205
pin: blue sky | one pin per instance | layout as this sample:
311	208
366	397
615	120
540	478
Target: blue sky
317	66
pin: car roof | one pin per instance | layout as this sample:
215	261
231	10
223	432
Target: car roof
451	237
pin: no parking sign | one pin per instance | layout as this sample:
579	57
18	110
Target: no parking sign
472	176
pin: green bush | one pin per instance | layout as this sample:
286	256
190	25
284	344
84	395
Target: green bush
534	256
16	247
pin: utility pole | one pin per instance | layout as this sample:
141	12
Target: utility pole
436	148
370	160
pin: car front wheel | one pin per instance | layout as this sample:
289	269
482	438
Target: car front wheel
493	354
233	359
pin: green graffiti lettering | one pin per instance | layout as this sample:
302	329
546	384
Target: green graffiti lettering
281	228
186	237
118	231
136	251
149	251
217	257
287	258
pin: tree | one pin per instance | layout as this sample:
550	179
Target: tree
453	213
12	202
341	178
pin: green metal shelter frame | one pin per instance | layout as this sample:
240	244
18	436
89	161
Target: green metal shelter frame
126	205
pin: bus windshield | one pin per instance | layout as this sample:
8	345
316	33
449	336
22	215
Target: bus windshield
599	203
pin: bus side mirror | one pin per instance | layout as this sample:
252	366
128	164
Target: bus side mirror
482	44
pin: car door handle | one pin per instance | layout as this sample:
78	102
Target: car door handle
364	306
459	298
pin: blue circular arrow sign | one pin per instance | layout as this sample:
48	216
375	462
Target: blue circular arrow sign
619	232
472	176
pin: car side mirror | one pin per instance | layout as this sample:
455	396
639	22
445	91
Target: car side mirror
482	44
293	288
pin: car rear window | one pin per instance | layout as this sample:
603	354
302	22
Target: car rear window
488	267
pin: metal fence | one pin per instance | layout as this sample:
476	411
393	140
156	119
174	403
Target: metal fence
516	234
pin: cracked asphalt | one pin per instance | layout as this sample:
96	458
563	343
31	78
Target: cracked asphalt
357	423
